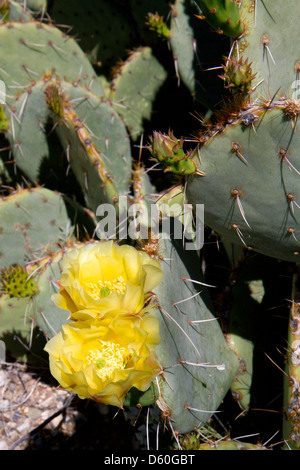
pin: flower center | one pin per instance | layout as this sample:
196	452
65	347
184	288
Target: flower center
107	358
102	289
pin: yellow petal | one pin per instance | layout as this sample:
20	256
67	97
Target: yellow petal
126	345
128	276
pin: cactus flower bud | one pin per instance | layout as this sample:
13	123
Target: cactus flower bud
156	23
238	74
168	150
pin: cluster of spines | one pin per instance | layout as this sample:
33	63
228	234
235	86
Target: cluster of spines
238	110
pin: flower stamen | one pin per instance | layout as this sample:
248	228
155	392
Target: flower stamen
108	358
102	289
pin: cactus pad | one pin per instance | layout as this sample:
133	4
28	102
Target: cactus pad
223	16
32	222
197	374
253	168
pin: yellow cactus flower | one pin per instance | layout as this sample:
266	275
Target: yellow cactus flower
104	277
103	358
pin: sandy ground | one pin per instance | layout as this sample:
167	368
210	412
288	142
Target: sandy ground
27	402
36	415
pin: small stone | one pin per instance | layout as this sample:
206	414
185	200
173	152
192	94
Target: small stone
33	413
3	445
24	427
48	401
4	405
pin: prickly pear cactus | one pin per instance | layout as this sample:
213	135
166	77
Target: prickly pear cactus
248	152
134	103
33	222
193	351
291	428
223	16
76	106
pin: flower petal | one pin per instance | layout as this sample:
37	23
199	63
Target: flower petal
104	277
126	346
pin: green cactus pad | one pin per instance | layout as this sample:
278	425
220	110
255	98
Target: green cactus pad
13	312
182	42
27	137
291	420
95	142
246	312
270	32
32	222
190	393
223	16
144	195
32	50
195	65
137	398
35	5
23	340
231	444
133	99
250	190
48	317
19	313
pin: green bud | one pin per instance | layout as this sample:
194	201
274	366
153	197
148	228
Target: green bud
168	150
156	23
238	74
